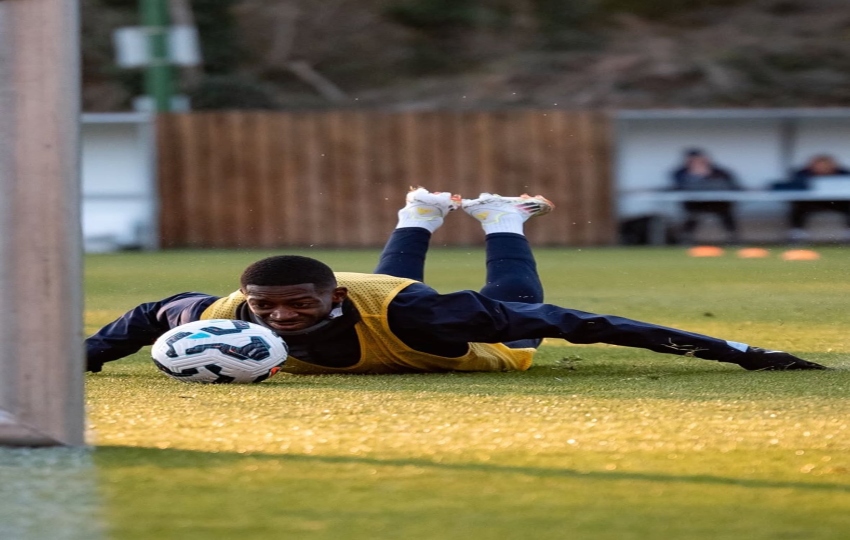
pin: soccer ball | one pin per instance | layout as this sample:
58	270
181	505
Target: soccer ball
219	351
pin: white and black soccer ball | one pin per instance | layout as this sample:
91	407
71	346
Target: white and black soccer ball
219	351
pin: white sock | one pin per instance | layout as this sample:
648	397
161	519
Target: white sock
507	223
499	214
418	216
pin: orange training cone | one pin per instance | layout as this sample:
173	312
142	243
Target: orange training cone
800	255
753	253
705	251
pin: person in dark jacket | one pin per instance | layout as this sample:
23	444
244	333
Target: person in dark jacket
699	173
391	322
819	166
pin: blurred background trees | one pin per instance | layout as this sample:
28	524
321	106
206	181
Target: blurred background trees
490	53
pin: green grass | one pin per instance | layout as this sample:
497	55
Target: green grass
593	442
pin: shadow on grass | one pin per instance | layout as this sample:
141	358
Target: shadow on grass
695	383
49	493
130	456
619	374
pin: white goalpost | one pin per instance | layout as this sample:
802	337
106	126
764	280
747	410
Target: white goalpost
41	358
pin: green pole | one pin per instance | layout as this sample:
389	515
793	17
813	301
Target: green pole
158	77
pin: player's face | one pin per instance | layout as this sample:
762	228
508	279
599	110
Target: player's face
289	308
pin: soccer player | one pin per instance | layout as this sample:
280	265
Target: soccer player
391	322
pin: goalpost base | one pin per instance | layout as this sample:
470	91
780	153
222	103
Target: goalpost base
41	387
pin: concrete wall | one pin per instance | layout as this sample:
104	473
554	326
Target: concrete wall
119	182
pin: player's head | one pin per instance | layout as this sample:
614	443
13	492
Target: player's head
288	270
290	293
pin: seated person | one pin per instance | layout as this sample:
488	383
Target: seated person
698	173
821	165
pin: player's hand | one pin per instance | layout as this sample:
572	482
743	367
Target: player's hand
757	359
94	366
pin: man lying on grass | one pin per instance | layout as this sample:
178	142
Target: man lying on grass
391	322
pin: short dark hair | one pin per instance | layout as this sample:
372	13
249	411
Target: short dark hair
288	270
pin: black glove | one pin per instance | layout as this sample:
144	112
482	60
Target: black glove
756	359
95	366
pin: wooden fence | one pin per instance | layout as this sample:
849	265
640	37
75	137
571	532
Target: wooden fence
271	179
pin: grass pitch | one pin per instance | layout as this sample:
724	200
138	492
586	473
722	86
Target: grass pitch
594	442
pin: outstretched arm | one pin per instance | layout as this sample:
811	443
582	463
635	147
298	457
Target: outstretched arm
467	316
141	326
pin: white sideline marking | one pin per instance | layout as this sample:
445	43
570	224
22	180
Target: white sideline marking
49	494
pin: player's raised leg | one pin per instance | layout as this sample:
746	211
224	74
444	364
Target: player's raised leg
511	269
405	250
